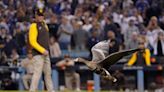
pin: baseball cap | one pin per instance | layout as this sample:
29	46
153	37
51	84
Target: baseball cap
39	12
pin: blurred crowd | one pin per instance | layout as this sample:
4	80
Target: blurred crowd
80	24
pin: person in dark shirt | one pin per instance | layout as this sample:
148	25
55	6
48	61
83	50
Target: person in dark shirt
9	45
3	59
53	26
109	26
154	10
159	47
114	44
70	74
2	37
160	44
19	37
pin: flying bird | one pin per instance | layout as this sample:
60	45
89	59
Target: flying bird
102	66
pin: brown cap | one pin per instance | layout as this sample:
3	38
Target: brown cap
39	12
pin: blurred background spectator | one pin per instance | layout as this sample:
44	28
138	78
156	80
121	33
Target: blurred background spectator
142	57
65	33
55	51
121	17
133	41
27	63
114	45
130	29
77	25
80	36
70	75
152	32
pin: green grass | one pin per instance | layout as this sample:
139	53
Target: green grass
46	91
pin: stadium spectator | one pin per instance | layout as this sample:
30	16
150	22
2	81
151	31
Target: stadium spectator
70	75
14	63
14	57
55	51
21	13
87	25
124	21
3	59
153	10
161	20
137	17
130	29
120	36
19	37
114	45
142	57
94	39
152	32
80	36
2	38
109	26
10	44
159	45
142	5
126	4
96	27
53	26
133	41
65	32
3	23
3	34
27	63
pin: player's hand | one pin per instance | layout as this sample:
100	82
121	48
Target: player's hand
45	53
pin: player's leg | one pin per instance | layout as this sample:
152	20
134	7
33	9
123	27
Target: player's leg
77	81
47	73
25	79
38	67
68	81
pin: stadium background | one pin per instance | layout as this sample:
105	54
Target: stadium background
89	22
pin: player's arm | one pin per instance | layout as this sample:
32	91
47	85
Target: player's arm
60	63
147	57
132	59
33	33
70	32
67	32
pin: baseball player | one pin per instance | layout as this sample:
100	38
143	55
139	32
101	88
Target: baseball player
39	42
